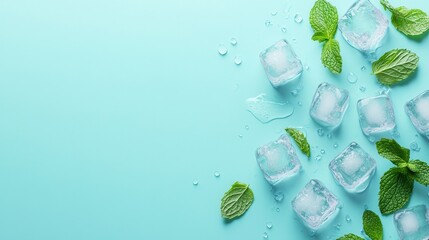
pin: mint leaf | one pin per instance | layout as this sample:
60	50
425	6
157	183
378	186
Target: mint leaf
372	225
236	201
300	140
323	20
390	149
331	56
395	66
350	236
395	190
421	171
411	22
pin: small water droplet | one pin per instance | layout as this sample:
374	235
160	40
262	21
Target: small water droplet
318	158
348	219
284	29
293	39
298	18
321	132
277	209
247	127
294	92
233	41
269	225
217	174
362	88
322	151
279	196
363	68
338	226
265	235
273	13
240	136
237	60
335	145
299	103
352	78
268	23
306	67
329	135
222	50
195	182
384	90
415	147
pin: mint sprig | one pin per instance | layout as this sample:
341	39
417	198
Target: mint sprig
350	236
324	22
396	185
236	200
395	66
411	22
372	225
300	140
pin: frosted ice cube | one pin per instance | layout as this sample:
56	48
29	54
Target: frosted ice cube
376	117
353	169
364	26
315	205
418	111
278	160
329	105
412	223
281	64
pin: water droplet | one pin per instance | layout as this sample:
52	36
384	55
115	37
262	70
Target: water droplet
384	90
268	23
338	226
266	110
273	13
322	151
293	39
222	50
277	209
306	67
321	132
348	219
298	18
415	147
294	92
278	196
247	127
335	145
299	103
240	136
265	235
284	29
318	158
329	135
237	60
352	78
217	174
362	88
363	68
269	225
233	41
195	182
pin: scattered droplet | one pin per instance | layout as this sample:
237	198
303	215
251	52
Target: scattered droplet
277	209
335	145
294	92
268	23
415	147
233	41
247	127
298	18
352	78
273	13
306	67
318	158
269	225
348	219
237	60
222	50
338	226
293	39
299	103
265	235
362	88
279	196
321	132
284	29
329	135
240	136
363	68
195	182
217	174
266	110
384	90
322	151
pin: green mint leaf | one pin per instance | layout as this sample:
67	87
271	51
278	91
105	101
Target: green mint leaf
236	201
300	140
420	171
395	66
372	225
395	190
411	22
350	236
323	20
331	56
390	149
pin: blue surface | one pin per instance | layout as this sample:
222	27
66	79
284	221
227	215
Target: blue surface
111	109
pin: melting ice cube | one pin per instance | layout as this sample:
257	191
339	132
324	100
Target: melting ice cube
418	111
412	223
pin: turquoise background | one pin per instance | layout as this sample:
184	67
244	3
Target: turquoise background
109	110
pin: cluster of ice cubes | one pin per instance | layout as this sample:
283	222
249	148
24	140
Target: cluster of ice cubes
417	110
412	223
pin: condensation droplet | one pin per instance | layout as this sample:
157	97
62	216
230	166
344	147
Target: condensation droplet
277	209
247	127
278	196
352	78
269	225
318	158
415	147
195	182
284	29
348	219
335	145
222	50
273	13
233	41
265	235
363	68
237	60
322	151
268	23
321	132
217	174
362	88
298	18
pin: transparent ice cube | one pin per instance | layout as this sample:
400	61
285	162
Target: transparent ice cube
315	205
278	160
329	105
418	111
281	64
353	169
364	26
412	223
376	117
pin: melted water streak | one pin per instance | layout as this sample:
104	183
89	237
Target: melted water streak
267	110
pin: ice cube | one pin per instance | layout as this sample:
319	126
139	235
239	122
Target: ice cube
278	160
412	223
353	169
418	111
281	64
364	26
376	117
315	205
329	105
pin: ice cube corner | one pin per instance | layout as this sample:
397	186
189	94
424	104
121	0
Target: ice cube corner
417	110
